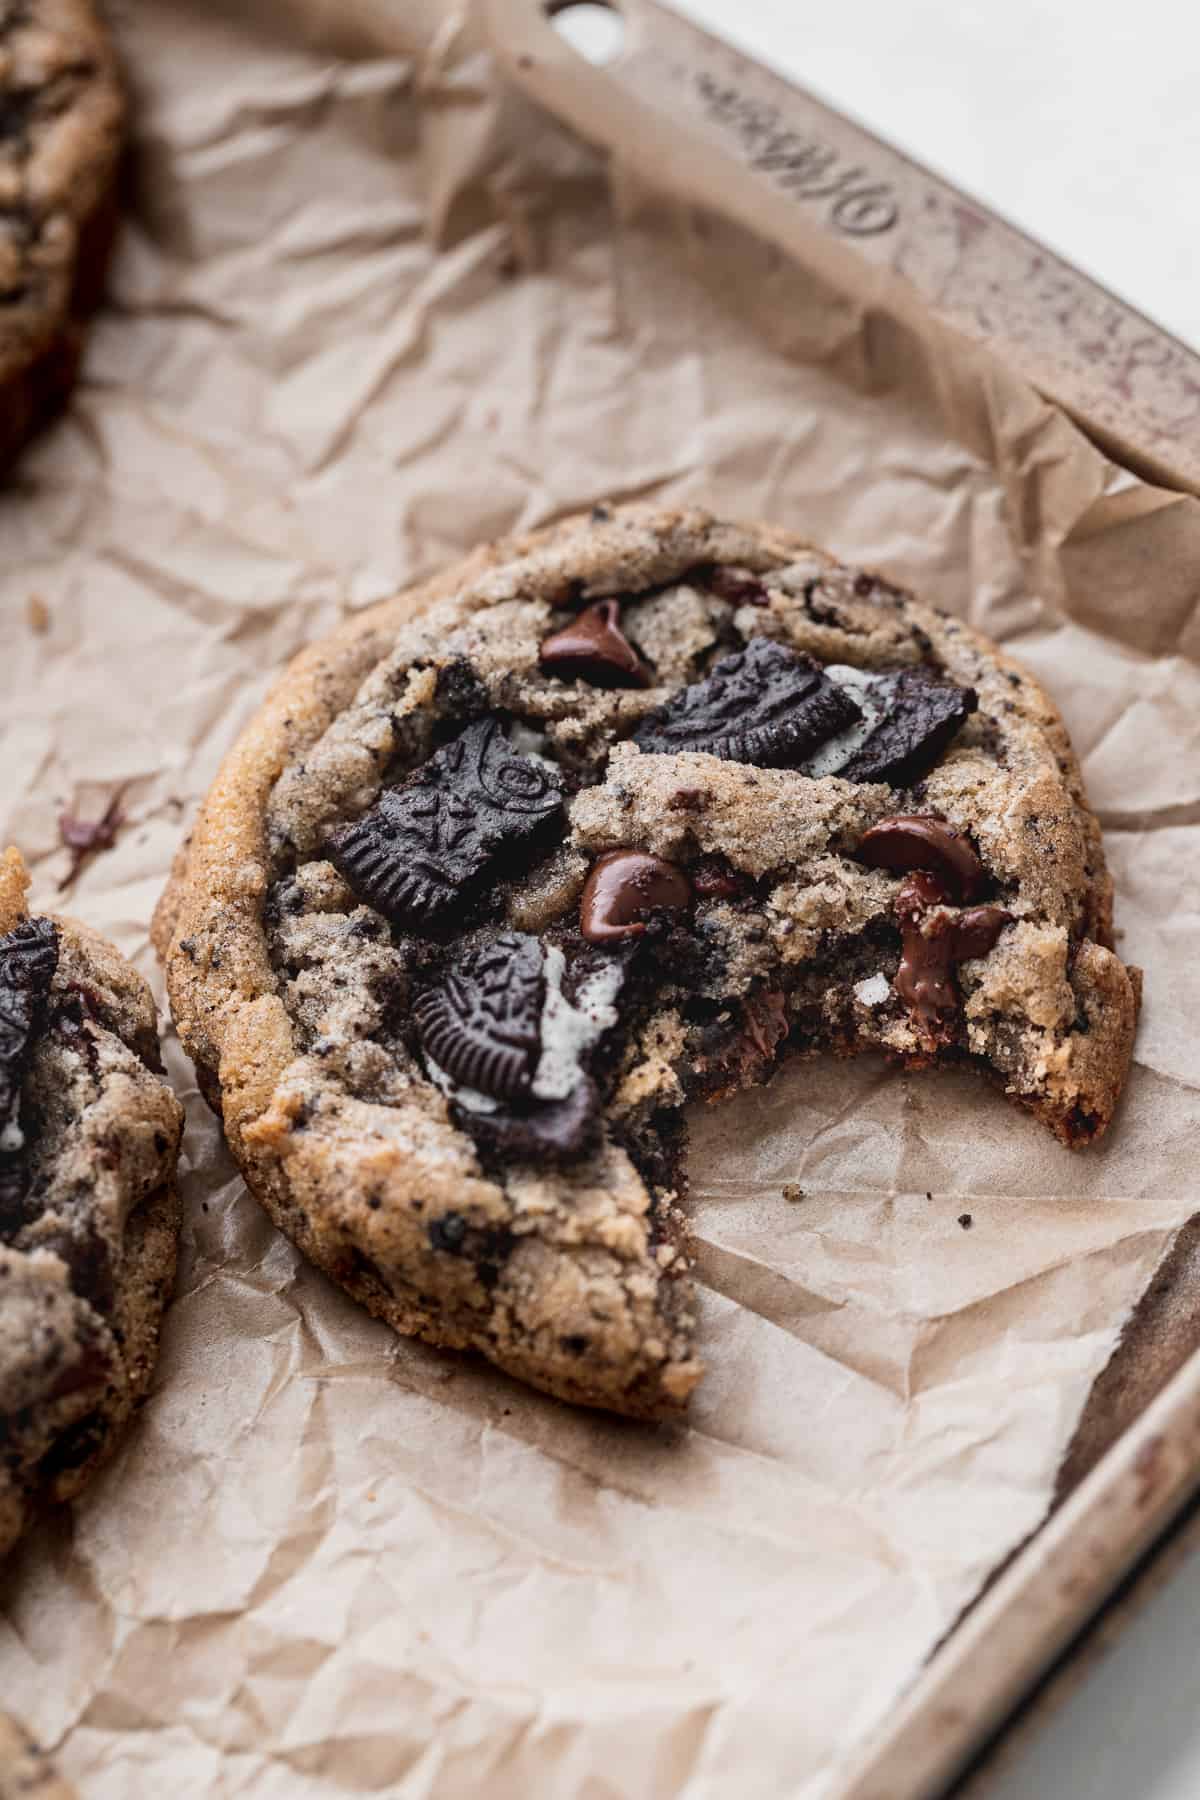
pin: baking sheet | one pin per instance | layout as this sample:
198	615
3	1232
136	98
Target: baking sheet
370	307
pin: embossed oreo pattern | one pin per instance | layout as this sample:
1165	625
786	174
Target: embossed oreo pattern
481	1025
765	705
424	849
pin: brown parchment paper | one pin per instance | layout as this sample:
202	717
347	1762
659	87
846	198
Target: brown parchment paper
370	307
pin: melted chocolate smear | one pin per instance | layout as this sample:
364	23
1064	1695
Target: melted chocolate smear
623	890
932	948
766	705
424	850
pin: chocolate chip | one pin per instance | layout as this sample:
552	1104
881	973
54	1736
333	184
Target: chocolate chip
966	1221
713	878
922	717
976	931
907	841
622	889
925	979
424	849
739	586
28	960
765	705
593	648
932	948
482	1024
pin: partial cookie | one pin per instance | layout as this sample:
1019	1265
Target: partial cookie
25	1774
600	822
89	1216
60	137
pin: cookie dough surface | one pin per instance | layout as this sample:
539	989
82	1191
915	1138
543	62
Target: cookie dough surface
88	1209
60	133
25	1774
383	1007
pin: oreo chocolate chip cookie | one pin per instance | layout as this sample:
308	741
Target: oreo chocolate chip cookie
89	1136
452	970
60	133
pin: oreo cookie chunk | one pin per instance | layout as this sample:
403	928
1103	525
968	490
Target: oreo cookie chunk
89	1135
765	705
508	1035
474	810
60	137
455	1065
920	718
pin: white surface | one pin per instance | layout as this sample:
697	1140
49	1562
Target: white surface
1079	120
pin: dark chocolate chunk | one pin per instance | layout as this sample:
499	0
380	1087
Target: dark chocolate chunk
765	705
908	841
28	959
922	717
482	1023
425	849
595	649
622	889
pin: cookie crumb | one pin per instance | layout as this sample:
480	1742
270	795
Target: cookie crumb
966	1221
38	614
792	1192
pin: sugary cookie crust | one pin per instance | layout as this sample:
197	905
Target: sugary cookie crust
353	1149
60	132
87	1267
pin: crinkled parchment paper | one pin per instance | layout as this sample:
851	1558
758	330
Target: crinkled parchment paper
367	311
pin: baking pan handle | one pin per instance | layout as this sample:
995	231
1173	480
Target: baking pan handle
1133	387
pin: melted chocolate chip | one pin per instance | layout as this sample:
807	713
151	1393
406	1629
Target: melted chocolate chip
908	841
593	648
425	849
28	960
922	717
622	889
482	1024
925	979
932	948
977	931
765	705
